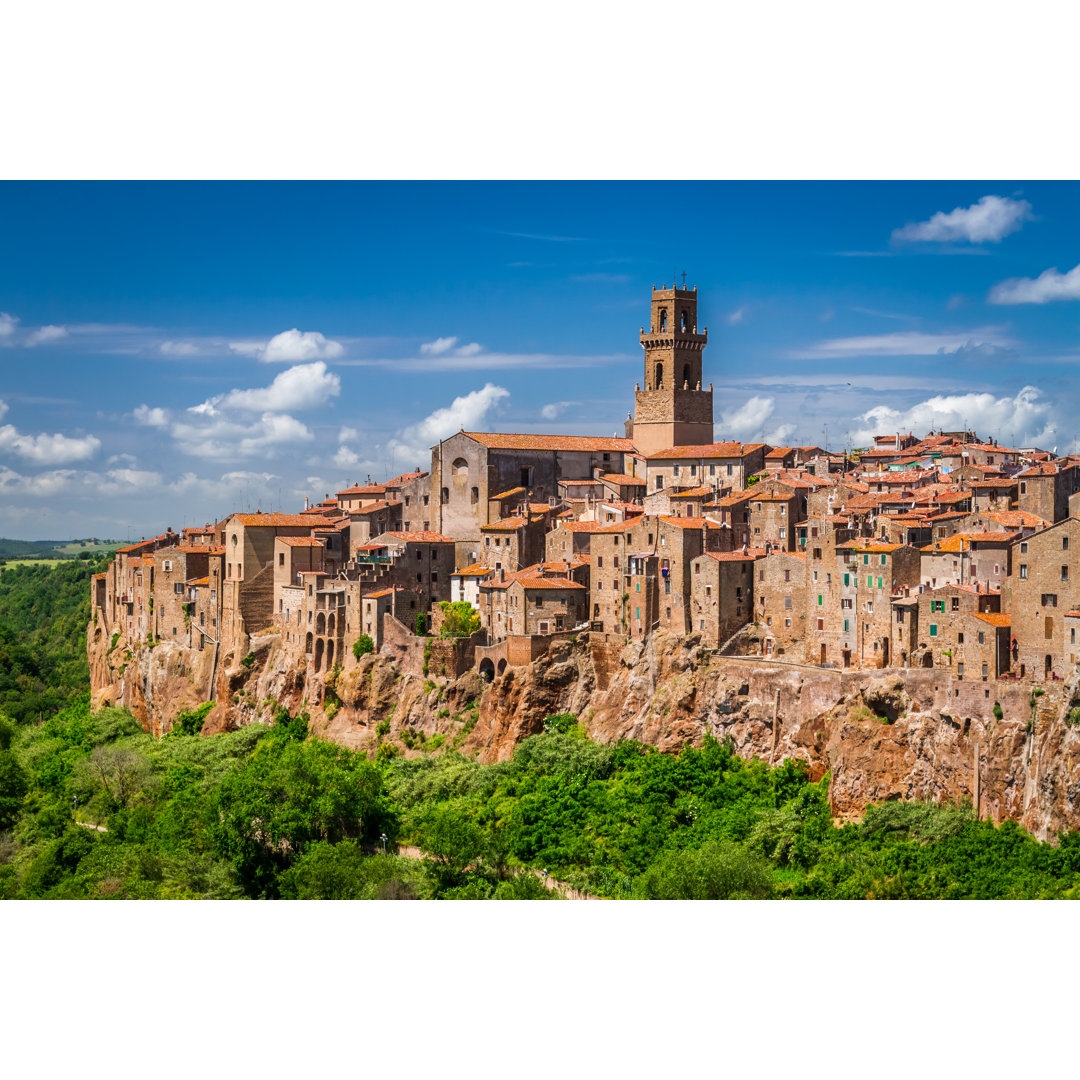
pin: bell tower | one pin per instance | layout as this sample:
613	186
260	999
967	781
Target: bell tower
672	409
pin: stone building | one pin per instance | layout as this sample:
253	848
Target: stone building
1042	589
1045	490
781	604
721	595
470	467
672	409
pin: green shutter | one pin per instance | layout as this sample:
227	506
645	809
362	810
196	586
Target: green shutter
879	583
882	560
933	629
819	600
869	582
846	626
637	613
866	560
847	578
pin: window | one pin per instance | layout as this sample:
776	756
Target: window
847	579
815	575
982	638
869	609
960	669
869	581
985	670
1064	573
866	560
1064	543
787	603
847	625
1023	547
1049	600
956	603
959	639
820	600
879	585
281	558
675	471
821	624
1023	487
787	622
933	629
600	560
1023	570
882	560
787	575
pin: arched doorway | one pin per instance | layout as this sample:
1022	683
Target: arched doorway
307	646
318	654
659	376
502	666
329	655
320	623
330	624
487	669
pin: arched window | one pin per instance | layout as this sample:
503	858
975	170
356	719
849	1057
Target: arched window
461	467
445	495
686	374
659	376
663	318
682	321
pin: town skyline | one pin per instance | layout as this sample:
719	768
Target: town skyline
171	357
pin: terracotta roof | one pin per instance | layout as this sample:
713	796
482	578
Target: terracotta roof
406	477
506	494
569	482
734	500
692	493
994	482
315	573
300	541
579	526
994	618
1016	519
950	544
421	537
615	527
993	537
475	570
498	440
508	524
383	592
871	546
730	556
688	522
364	489
711	450
374	507
549	583
779	452
623	478
282	521
199	581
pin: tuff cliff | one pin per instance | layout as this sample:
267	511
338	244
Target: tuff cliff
896	734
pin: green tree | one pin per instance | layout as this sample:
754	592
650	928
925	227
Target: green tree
362	646
459	619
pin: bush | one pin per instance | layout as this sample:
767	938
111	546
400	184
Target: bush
459	619
1073	716
248	660
998	711
716	871
421	624
362	646
190	721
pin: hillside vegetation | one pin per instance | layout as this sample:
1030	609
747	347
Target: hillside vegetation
266	812
44	610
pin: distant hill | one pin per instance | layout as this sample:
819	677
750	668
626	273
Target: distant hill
55	549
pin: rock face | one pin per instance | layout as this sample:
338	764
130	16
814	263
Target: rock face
898	734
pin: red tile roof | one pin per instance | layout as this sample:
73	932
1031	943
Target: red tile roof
624	479
712	450
508	524
282	521
498	440
994	618
421	537
300	541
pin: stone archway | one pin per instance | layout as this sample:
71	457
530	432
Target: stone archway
501	666
307	646
487	669
319	646
320	623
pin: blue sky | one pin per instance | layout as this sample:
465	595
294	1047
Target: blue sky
171	352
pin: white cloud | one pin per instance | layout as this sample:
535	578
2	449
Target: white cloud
1049	285
348	434
3	407
179	348
305	386
780	435
903	343
45	334
552	409
290	346
736	316
345	457
1025	418
465	413
438	346
747	421
149	417
990	219
442	346
220	438
7	324
115	458
48	449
